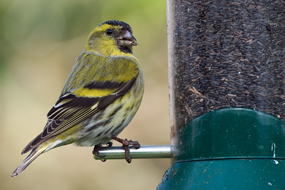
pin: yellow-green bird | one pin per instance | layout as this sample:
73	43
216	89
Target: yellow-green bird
100	97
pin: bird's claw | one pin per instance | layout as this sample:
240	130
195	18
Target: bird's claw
96	151
126	146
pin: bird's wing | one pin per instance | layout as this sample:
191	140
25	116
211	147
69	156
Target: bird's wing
73	107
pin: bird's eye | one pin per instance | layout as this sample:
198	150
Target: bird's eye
109	31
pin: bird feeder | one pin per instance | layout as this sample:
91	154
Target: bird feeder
227	94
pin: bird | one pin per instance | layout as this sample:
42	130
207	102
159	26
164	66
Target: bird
99	99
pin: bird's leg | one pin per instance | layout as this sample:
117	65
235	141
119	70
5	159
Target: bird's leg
126	143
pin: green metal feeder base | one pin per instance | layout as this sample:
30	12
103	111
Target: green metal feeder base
226	174
233	148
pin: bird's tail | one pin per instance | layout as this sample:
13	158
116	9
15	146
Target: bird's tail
28	160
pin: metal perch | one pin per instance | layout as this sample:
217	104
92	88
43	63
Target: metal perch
146	151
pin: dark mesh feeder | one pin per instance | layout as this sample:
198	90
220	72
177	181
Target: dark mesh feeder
227	101
230	54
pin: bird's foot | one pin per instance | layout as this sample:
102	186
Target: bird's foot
96	150
126	146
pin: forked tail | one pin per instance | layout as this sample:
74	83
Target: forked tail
28	160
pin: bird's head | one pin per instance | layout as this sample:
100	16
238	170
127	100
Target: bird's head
111	38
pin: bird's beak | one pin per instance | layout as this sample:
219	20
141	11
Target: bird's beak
127	39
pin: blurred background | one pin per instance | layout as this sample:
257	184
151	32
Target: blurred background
39	42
